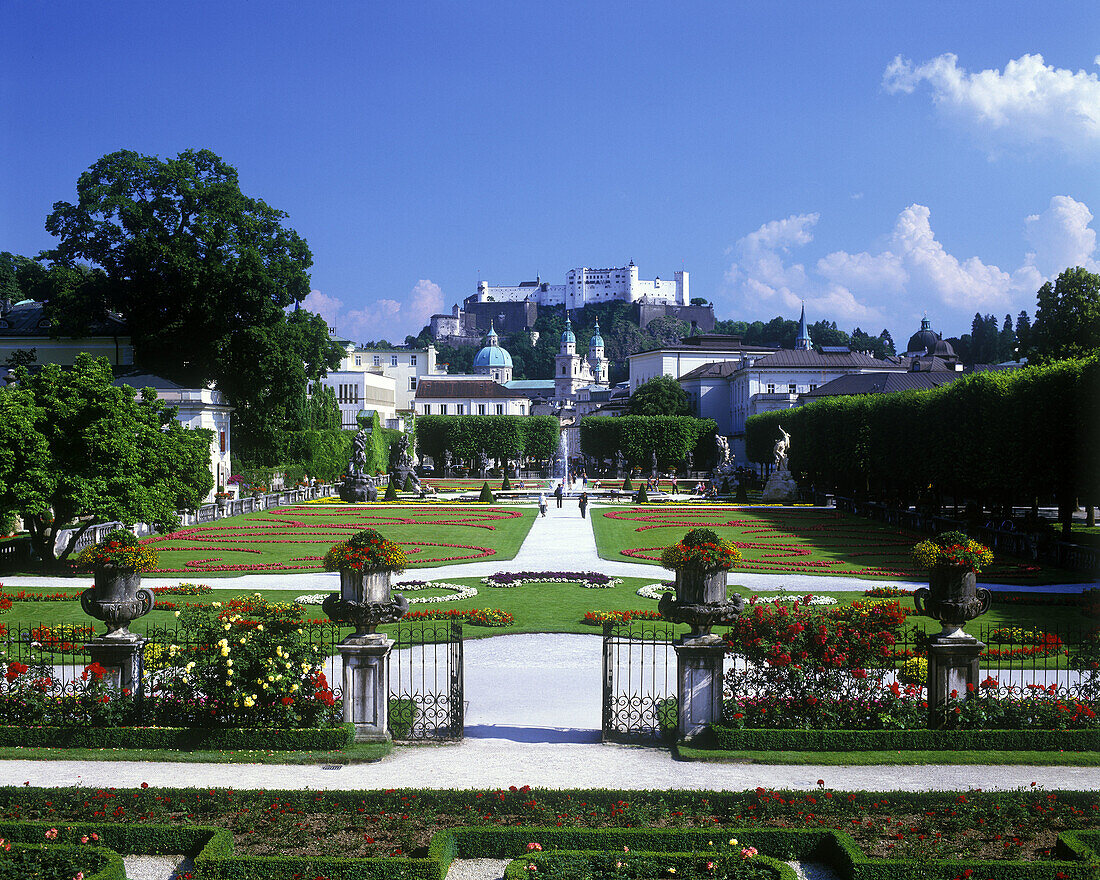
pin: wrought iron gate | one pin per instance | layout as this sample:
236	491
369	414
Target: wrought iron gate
426	682
639	682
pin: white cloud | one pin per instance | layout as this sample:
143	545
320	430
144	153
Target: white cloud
1061	237
911	269
383	318
1029	102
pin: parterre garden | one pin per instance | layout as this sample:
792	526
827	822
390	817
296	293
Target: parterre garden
793	540
296	538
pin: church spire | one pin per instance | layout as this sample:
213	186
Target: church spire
803	342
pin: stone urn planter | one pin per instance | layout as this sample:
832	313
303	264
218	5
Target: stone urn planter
365	600
701	600
117	598
952	598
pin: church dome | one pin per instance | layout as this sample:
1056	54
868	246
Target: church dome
926	340
492	355
568	336
596	341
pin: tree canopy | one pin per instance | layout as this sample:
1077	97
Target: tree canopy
660	396
76	449
203	276
1067	322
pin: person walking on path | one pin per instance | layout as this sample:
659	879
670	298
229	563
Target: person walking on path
558	492
583	503
674	484
542	503
584	480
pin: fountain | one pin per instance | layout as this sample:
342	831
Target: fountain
559	467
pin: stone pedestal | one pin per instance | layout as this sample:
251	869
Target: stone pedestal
952	665
366	686
124	660
699	681
781	487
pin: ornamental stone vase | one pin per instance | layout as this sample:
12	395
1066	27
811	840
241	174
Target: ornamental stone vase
117	598
365	601
952	597
701	601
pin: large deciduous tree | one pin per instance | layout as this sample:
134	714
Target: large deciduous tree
660	396
1067	322
77	450
203	276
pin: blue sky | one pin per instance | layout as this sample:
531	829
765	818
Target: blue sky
878	160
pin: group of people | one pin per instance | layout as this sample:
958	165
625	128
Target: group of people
559	495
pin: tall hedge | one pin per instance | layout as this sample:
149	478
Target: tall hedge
998	438
499	436
671	437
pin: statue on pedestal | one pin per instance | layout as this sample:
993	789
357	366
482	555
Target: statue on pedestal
782	448
620	463
358	485
781	486
448	463
401	465
653	464
482	464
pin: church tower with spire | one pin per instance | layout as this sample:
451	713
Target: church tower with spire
802	341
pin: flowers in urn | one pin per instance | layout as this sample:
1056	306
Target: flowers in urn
366	551
702	549
952	550
119	550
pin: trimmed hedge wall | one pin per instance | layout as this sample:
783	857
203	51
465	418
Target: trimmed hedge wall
181	738
739	739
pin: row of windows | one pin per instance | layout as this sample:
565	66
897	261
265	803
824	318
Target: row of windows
347	393
791	389
460	409
378	360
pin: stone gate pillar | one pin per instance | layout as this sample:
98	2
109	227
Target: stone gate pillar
699	681
366	663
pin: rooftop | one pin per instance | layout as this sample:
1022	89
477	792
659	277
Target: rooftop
466	389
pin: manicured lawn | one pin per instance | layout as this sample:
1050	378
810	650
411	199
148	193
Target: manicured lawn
786	540
296	538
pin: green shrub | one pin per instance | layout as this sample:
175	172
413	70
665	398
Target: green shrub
642	497
628	486
179	738
506	484
391	492
486	494
409	485
742	495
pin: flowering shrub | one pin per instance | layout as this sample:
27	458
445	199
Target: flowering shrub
32	695
119	549
952	549
701	548
887	592
914	670
250	664
808	599
366	551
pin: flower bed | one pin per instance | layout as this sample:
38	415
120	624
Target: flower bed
460	592
591	580
599	618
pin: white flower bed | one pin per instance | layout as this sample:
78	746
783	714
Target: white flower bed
460	592
654	591
580	578
790	597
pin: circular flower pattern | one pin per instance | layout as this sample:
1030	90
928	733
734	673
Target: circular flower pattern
460	592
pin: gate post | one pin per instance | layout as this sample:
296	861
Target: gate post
608	682
699	683
366	663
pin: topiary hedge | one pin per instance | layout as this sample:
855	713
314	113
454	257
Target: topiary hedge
741	739
182	738
486	494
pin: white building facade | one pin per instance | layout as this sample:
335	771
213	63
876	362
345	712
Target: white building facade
360	389
676	361
584	286
469	396
405	366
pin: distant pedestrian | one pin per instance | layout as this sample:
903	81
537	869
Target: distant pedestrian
583	503
542	503
674	484
584	480
558	493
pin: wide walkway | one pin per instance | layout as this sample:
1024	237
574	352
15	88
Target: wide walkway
533	713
